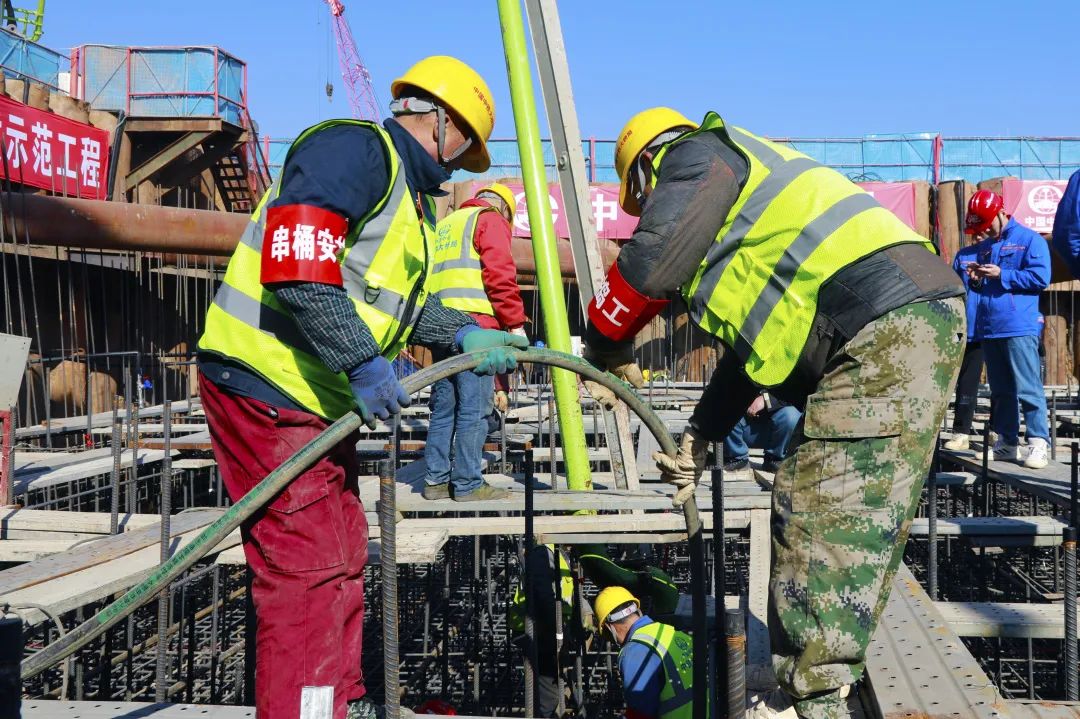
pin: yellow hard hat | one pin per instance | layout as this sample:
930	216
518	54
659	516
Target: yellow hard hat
636	135
505	194
460	89
610	599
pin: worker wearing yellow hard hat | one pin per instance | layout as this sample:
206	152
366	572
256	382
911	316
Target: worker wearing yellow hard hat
325	287
827	299
472	270
655	659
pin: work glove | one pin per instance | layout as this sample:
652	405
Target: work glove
619	361
499	358
377	390
685	468
502	402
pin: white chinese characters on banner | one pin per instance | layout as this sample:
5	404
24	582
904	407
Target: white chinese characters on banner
45	150
300	243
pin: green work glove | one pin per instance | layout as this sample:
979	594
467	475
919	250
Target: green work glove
499	357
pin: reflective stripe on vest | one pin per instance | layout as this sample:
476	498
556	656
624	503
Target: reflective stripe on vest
795	224
676	653
456	274
383	267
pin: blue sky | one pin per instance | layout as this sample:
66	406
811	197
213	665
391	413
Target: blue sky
778	67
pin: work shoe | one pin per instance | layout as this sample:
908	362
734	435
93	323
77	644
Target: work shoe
484	492
958	443
1037	454
367	709
770	465
776	704
773	704
1005	452
436	491
737	470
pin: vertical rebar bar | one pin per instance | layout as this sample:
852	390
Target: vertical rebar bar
985	475
1068	547
1053	424
117	449
388	566
1074	486
719	581
165	501
530	627
735	638
931	521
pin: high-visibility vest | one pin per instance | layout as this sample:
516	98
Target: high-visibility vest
676	652
566	595
383	266
795	224
456	275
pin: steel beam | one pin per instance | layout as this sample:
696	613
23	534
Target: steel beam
169	154
589	266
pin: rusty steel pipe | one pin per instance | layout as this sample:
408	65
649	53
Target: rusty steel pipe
95	224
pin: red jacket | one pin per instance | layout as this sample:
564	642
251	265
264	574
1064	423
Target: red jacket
499	274
492	241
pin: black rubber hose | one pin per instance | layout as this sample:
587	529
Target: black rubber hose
308	455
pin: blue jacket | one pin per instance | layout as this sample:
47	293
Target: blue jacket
1007	306
642	675
1066	237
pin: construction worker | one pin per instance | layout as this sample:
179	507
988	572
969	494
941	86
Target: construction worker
1004	273
473	271
324	288
822	296
656	661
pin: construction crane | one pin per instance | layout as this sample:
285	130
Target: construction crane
365	106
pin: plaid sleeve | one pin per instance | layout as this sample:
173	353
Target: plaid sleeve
438	324
327	320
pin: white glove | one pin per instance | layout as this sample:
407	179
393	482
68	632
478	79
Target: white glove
684	469
520	332
502	402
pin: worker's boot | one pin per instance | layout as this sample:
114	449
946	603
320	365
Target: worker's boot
958	443
1037	458
367	709
436	491
1005	452
482	493
738	470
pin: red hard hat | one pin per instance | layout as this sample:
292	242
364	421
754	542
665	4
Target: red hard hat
437	706
982	208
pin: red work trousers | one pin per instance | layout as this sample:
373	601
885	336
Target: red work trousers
307	550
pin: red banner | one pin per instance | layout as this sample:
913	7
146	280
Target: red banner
897	197
614	224
1033	203
51	152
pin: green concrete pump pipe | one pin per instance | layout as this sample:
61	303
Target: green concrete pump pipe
272	485
548	277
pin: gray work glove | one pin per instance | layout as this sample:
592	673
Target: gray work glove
685	468
619	362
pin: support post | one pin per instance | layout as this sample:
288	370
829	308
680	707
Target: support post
554	72
1072	689
388	567
735	636
165	500
719	583
548	277
11	649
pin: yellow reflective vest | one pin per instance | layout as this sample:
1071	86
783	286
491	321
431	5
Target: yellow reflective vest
456	275
795	224
676	652
383	265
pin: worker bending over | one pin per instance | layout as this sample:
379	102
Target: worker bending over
323	290
656	661
473	271
824	297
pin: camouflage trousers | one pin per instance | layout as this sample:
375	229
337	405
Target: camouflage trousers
844	501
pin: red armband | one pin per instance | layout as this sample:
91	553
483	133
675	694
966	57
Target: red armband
619	311
301	244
